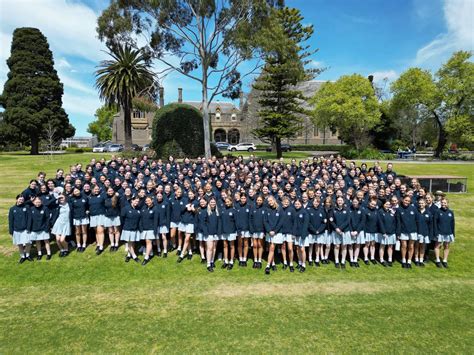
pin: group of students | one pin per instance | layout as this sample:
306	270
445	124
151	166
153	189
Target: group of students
216	206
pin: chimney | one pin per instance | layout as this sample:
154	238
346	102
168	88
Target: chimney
241	100
371	79
162	96
180	95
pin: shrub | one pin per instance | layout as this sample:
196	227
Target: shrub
78	150
172	148
367	153
459	156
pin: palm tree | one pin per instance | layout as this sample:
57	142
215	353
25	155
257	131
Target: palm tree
125	77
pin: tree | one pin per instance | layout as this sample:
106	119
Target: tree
210	37
447	96
32	95
349	107
285	59
124	78
102	126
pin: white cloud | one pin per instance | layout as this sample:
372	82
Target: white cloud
390	75
63	63
76	84
82	105
458	15
316	64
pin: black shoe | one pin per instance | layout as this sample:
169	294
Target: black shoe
99	251
408	266
29	258
259	265
357	264
158	254
298	266
127	258
240	263
79	249
445	264
210	269
136	259
316	264
203	261
145	261
22	260
292	269
224	266
178	252
48	257
404	265
230	266
244	264
165	255
417	263
302	269
61	254
267	271
180	259
39	257
190	256
366	262
310	263
389	263
254	266
285	266
383	263
213	265
421	264
111	249
328	261
373	261
274	268
438	264
343	266
336	265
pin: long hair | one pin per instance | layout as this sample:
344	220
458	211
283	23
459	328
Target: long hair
209	210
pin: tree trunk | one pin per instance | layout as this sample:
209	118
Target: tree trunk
278	147
34	144
442	137
127	124
205	118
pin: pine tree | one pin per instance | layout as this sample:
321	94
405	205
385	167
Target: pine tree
32	95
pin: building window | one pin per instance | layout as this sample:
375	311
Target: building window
315	131
220	135
138	114
218	115
233	136
233	117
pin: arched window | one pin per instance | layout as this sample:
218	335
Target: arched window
233	136
220	135
218	114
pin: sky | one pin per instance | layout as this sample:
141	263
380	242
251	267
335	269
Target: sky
378	37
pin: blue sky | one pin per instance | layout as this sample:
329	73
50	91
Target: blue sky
380	37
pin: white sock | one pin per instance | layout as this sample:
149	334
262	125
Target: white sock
336	260
208	264
303	264
225	261
416	259
291	264
409	261
404	261
231	262
437	260
84	245
445	261
27	255
40	252
190	252
390	259
381	260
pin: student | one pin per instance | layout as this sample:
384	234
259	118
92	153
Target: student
97	217
387	224
131	228
177	206
444	231
300	231
38	227
18	219
188	220
340	221
371	234
61	221
149	226
325	245
242	214
317	229
424	230
164	223
201	228
407	230
287	230
273	224
257	229
229	233
213	229
357	231
79	206
112	218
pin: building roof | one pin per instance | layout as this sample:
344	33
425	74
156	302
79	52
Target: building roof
225	107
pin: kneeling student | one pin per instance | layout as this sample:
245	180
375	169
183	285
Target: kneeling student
18	218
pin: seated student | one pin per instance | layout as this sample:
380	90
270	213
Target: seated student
300	231
18	219
407	230
61	222
357	222
38	227
257	229
229	233
444	231
317	229
149	222
424	230
131	228
112	218
273	224
387	224
79	206
340	221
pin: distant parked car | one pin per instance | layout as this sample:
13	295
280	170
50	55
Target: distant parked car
136	147
98	148
146	147
222	145
115	148
284	148
248	147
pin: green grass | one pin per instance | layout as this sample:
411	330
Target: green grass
86	303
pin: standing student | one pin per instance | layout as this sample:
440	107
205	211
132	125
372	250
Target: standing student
287	230
424	230
188	220
38	227
242	212
444	231
131	228
273	224
201	228
340	221
407	230
300	231
149	226
317	229
257	229
97	217
164	223
112	218
18	219
325	245
387	224
61	221
213	229
79	206
357	231
177	206
229	233
370	231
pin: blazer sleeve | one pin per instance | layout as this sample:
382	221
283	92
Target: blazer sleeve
380	223
10	221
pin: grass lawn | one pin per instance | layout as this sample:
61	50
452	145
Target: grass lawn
85	303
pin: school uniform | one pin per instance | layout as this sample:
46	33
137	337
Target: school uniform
201	225
61	220
444	226
177	206
188	218
300	227
79	206
329	230
213	226
256	222
18	220
163	209
371	233
97	210
407	223
273	223
38	225
341	220
242	220
229	227
317	225
357	217
387	225
112	214
149	221
287	223
131	224
425	226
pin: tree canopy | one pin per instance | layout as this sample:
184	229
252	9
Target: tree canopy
32	95
102	126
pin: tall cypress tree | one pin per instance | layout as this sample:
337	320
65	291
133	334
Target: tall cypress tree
32	95
286	56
